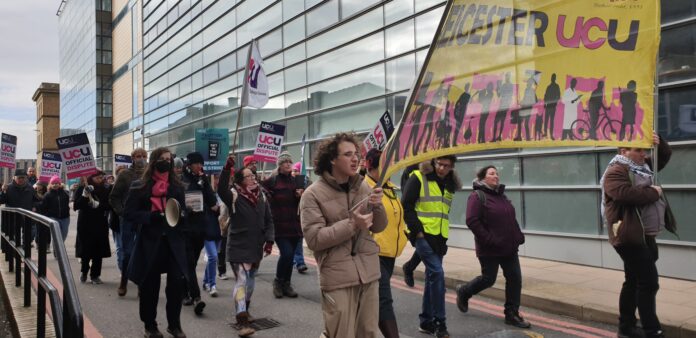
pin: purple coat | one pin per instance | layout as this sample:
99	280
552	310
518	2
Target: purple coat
496	231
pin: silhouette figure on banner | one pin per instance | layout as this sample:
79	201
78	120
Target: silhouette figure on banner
570	110
504	91
595	103
551	97
418	113
429	124
485	97
528	101
628	99
460	112
444	128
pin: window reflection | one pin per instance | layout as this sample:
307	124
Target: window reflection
351	87
677	54
677	113
357	27
365	51
426	25
357	117
401	73
322	17
675	10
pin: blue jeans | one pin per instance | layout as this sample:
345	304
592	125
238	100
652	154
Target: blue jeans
287	247
127	233
211	250
434	288
64	224
299	254
119	248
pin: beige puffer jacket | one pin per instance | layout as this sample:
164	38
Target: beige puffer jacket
329	230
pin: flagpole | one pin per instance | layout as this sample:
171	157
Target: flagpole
656	106
245	93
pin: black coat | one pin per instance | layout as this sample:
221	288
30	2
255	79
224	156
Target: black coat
250	226
55	204
204	222
150	235
18	196
92	225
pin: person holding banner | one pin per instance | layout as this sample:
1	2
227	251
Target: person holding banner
117	199
491	217
635	211
284	197
159	246
391	243
92	244
427	199
250	236
336	219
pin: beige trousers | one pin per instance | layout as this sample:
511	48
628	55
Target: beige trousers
351	312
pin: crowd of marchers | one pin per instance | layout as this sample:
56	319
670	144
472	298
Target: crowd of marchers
354	228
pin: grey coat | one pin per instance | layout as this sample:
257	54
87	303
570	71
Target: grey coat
250	227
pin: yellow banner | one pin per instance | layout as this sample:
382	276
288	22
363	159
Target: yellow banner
536	73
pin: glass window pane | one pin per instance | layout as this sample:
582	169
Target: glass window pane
296	102
295	129
399	38
271	42
574	212
675	10
322	17
396	105
294	31
210	73
292	8
294	54
680	168
426	25
560	169
508	170
365	51
357	117
272	64
350	7
296	76
348	88
677	113
348	31
682	204
458	211
222	120
401	73
396	10
424	4
276	84
677	54
228	64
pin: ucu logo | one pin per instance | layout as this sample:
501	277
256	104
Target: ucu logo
581	33
254	70
50	156
265	139
8	148
51	165
267	126
74	153
65	141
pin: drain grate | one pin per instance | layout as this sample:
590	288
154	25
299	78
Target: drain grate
260	324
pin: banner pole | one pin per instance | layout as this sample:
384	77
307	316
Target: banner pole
245	90
656	106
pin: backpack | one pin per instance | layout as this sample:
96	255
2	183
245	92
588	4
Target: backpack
482	205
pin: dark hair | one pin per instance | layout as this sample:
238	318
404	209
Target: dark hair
481	174
451	158
328	151
239	175
146	179
372	159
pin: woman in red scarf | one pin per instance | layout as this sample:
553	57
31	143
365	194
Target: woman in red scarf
159	248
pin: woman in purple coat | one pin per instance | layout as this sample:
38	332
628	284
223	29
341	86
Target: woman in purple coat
491	217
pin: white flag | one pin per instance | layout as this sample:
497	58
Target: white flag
255	92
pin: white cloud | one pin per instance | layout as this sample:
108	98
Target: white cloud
26	136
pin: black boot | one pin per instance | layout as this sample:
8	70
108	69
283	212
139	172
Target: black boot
176	332
408	275
278	288
151	331
462	298
513	318
288	291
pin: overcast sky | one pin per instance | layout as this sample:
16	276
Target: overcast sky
28	56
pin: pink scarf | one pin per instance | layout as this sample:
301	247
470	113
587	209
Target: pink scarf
159	190
250	194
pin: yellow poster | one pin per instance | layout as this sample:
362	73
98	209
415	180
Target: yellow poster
536	73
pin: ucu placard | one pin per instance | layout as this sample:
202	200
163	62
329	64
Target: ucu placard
8	151
269	142
77	155
51	165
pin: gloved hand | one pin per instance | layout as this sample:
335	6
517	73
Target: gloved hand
156	217
86	193
230	163
93	203
268	247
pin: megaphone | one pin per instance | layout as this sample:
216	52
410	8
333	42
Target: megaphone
172	212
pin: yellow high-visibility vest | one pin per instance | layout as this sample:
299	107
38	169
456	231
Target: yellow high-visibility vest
433	207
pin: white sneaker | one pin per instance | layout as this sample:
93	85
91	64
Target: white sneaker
223	276
213	291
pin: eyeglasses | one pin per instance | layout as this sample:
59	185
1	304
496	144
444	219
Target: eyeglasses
443	165
250	176
351	154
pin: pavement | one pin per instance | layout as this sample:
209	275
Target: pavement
581	292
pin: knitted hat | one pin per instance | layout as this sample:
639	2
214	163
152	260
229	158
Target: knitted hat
283	157
248	159
20	172
194	157
178	162
297	166
54	180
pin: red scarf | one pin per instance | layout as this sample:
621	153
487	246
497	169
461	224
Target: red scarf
159	190
250	194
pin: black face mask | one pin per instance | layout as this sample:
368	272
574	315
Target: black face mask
162	166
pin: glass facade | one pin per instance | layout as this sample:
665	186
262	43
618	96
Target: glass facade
336	65
86	96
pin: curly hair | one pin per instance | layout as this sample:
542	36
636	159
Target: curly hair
481	174
328	151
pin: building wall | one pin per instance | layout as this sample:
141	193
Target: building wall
337	65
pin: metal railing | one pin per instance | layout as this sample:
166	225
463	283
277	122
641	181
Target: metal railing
16	225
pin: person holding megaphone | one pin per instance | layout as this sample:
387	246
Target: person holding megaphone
159	246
